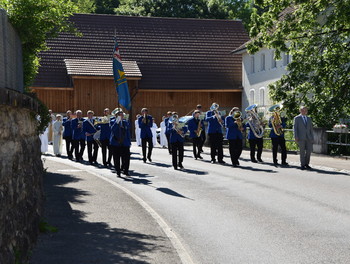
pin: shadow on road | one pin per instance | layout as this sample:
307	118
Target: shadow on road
79	241
256	169
171	192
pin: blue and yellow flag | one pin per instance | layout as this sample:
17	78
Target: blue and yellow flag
120	79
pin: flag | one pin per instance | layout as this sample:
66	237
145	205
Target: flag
120	79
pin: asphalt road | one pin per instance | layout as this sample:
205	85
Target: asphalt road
256	213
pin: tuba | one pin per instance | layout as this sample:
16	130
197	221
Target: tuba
254	121
214	107
276	119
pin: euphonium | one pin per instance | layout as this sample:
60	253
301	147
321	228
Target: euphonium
214	107
237	116
276	119
254	121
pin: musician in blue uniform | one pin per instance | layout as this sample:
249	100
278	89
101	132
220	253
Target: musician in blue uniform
177	139
89	131
145	124
105	136
196	127
167	131
78	136
215	125
278	140
120	142
255	143
234	129
67	134
202	136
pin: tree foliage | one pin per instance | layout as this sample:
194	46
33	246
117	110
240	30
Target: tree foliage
214	9
36	21
85	6
106	6
317	35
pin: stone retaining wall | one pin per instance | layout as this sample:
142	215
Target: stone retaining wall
21	173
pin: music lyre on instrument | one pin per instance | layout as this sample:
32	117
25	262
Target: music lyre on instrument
255	123
276	119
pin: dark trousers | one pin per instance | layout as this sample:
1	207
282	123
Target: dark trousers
105	147
144	147
177	149
92	150
279	141
235	147
256	143
69	146
197	143
169	145
121	153
79	152
203	138
216	140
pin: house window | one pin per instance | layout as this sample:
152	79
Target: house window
273	62
252	64
262	66
251	97
285	59
262	96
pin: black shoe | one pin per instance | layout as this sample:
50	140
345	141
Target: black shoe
126	173
144	160
308	167
302	167
180	166
118	174
213	161
201	151
175	168
260	160
275	163
222	162
254	161
195	157
235	165
91	163
200	157
285	164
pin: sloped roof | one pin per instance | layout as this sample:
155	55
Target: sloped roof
99	67
171	53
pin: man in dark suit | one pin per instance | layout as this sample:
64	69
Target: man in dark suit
78	136
67	134
303	134
193	125
89	131
145	124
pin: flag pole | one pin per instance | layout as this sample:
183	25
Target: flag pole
115	40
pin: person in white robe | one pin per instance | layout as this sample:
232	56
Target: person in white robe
44	141
50	133
57	136
163	139
137	131
154	133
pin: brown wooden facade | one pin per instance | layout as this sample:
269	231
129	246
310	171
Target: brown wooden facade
98	93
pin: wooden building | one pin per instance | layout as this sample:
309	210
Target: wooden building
170	64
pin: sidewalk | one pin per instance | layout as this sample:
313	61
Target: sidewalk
97	223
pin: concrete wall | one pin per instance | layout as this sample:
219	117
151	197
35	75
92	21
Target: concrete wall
21	174
11	66
258	80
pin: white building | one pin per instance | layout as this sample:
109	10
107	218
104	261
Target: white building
258	71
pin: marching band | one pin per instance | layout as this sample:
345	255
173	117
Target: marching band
112	133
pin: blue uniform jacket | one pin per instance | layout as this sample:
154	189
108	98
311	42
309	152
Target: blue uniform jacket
174	136
272	133
89	128
118	132
67	124
213	124
77	133
105	131
232	131
193	125
166	122
146	128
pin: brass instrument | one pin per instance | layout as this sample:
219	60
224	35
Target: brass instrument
276	119
256	125
199	128
237	117
214	107
174	119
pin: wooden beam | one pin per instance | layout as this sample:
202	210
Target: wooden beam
53	88
191	91
102	77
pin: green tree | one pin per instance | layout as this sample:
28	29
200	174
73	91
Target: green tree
85	6
35	22
214	9
106	6
316	33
